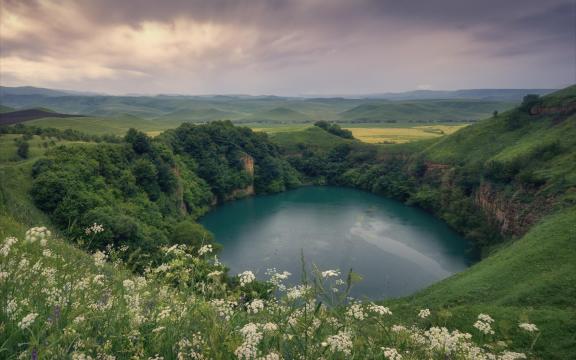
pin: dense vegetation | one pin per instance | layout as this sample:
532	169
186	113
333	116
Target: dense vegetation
506	182
147	192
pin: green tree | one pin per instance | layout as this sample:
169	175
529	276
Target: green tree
23	149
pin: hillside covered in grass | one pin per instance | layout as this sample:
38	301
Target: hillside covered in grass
126	272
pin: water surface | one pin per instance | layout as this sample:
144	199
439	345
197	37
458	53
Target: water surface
396	248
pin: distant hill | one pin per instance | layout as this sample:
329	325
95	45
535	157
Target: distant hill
4	109
478	94
423	111
19	116
277	115
31	90
198	115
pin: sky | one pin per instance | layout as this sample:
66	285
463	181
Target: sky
286	47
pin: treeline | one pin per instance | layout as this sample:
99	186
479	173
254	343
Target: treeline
334	129
147	192
68	134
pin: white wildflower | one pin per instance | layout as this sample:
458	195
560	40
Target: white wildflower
206	249
485	318
341	342
246	278
484	327
330	273
356	311
391	353
255	306
424	313
8	243
379	309
94	229
99	258
27	321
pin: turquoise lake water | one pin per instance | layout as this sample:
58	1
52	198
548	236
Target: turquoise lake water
397	249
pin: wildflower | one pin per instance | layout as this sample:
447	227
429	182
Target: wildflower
79	319
297	291
27	321
94	229
255	306
484	327
355	311
269	327
398	328
3	275
330	273
391	354
379	309
224	308
47	253
99	258
246	278
340	342
271	356
98	279
158	329
249	347
206	249
37	234
8	243
485	318
128	284
528	327
424	313
215	274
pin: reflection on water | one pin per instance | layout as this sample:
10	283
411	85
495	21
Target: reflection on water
397	249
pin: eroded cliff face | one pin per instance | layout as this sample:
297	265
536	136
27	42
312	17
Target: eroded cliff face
248	164
566	109
512	215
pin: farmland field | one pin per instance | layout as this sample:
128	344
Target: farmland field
378	133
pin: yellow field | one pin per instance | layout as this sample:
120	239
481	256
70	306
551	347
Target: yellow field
402	134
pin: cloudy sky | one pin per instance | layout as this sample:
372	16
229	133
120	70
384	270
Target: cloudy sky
287	47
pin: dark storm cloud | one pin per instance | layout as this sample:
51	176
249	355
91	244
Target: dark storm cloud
150	37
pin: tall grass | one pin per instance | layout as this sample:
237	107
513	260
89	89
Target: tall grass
58	302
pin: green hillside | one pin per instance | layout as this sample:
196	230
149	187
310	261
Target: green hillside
423	111
277	115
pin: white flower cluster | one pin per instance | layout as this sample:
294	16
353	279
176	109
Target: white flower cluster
224	308
528	327
483	324
356	311
7	245
341	342
276	278
249	347
38	234
99	258
379	309
297	291
391	353
94	229
424	313
255	306
27	321
330	273
246	278
205	249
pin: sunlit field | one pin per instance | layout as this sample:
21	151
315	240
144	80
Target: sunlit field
376	133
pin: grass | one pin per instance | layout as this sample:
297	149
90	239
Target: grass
404	134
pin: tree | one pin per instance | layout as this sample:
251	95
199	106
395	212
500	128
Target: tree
23	149
495	113
529	101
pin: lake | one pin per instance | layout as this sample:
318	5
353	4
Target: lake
397	249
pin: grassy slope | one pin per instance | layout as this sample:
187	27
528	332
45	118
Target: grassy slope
424	111
531	279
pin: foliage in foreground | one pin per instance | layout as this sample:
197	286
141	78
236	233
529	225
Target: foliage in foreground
60	303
